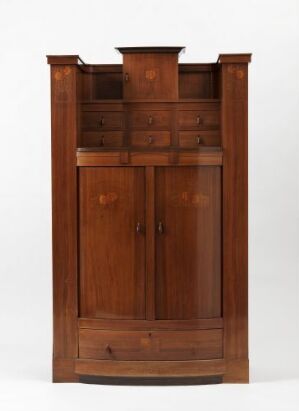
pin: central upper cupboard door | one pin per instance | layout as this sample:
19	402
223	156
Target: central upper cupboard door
112	243
188	242
150	76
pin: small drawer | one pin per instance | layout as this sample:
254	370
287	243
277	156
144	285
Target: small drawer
102	139
150	139
150	119
150	345
102	120
193	139
200	120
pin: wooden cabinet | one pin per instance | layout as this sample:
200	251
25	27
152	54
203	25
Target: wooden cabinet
149	176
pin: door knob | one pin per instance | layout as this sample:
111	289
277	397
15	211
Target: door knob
138	228
160	227
199	140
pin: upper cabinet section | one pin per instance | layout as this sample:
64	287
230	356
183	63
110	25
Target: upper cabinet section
150	73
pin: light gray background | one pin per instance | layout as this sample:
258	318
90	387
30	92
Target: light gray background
31	29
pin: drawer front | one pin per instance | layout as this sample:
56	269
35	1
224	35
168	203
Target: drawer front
193	139
150	119
200	120
150	139
154	345
102	139
102	120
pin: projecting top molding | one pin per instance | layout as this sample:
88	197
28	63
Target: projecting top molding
159	49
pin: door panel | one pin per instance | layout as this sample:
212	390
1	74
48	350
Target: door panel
188	242
112	252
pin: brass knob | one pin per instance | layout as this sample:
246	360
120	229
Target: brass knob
160	227
198	140
150	140
198	120
102	140
138	228
102	121
126	76
150	120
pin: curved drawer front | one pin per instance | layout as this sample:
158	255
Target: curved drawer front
102	120
102	139
150	345
198	119
193	139
146	119
150	138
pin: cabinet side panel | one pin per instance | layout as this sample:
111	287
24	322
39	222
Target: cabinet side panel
235	210
64	210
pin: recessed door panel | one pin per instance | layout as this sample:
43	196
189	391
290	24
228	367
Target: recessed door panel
188	242
112	242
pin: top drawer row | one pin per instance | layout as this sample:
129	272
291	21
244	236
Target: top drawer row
144	119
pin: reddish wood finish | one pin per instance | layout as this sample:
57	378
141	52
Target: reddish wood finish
64	94
192	139
150	138
150	119
147	158
153	345
101	139
151	368
235	214
108	324
150	75
108	120
199	120
112	252
188	210
134	145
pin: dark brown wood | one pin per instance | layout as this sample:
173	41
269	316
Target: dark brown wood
89	379
150	139
151	50
150	75
150	242
150	218
153	345
101	139
234	58
64	60
195	368
106	120
64	95
108	324
150	119
197	139
199	120
235	214
145	158
188	278
112	251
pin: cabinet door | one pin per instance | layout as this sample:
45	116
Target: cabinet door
112	253
188	242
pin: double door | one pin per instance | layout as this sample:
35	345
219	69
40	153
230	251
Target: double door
150	242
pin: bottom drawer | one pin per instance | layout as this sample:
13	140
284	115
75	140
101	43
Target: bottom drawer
151	345
102	139
199	138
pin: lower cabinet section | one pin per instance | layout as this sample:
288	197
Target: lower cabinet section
150	345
